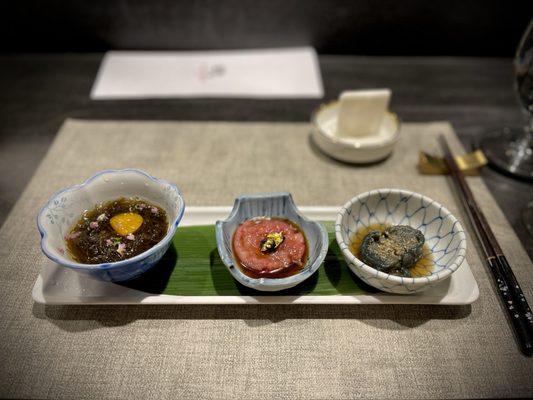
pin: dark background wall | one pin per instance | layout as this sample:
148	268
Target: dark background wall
373	27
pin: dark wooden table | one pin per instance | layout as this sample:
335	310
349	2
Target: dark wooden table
38	91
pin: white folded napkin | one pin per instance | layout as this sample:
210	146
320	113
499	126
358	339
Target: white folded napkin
268	73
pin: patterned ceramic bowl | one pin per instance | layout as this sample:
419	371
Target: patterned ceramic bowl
270	205
444	235
64	208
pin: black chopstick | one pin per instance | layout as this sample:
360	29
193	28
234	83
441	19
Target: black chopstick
511	294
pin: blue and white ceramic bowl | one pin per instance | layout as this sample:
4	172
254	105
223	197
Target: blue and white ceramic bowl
270	205
443	233
64	208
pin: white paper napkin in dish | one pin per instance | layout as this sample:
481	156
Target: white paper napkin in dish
268	73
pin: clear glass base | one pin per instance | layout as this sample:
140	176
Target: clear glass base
511	151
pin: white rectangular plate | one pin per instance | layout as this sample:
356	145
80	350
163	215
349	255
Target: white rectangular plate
58	285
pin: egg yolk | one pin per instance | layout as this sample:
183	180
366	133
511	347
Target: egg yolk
126	223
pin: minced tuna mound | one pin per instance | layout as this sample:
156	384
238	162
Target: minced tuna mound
247	245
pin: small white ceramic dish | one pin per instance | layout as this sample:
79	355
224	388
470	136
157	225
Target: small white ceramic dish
65	207
444	235
358	150
270	205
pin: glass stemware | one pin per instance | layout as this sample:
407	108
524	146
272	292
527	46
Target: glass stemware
511	149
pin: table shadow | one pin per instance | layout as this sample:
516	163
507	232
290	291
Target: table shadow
335	267
156	279
392	317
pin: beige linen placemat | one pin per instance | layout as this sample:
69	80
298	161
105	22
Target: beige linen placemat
254	352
